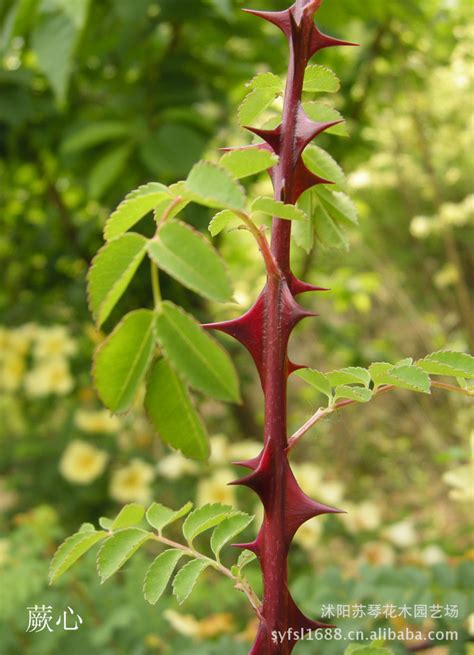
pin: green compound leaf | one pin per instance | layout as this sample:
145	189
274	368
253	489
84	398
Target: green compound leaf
266	81
112	271
448	363
359	394
129	516
159	574
404	377
204	518
228	529
327	228
319	79
316	379
349	375
71	550
159	516
172	413
122	360
222	220
188	257
321	163
248	161
202	362
277	208
338	205
117	549
135	206
213	186
323	113
255	103
186	578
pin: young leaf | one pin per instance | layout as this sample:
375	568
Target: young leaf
203	363
448	363
319	79
245	557
213	186
172	414
405	377
255	103
316	379
186	578
170	204
323	113
266	81
159	574
135	206
189	258
118	548
71	550
122	360
228	529
221	220
327	229
111	272
204	518
277	208
359	394
129	516
321	163
349	375
105	523
248	161
159	516
338	205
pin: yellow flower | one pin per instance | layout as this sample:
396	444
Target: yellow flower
364	516
17	340
12	370
48	377
174	465
54	342
401	534
216	489
461	480
244	450
96	421
309	533
82	463
131	483
378	553
309	478
219	450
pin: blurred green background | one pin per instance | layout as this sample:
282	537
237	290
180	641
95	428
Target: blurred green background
98	97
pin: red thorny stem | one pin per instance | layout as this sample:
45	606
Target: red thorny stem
265	330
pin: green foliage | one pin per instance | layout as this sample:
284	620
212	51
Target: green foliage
129	516
71	550
117	549
159	516
203	519
227	530
159	574
186	578
213	186
136	205
249	161
448	363
319	79
277	208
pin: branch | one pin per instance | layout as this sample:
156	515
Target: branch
326	411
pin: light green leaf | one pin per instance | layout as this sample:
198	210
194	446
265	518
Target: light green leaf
448	363
159	574
255	103
405	377
170	204
316	379
221	220
108	169
349	375
319	79
93	134
117	549
323	113
122	360
135	206
359	394
303	231
204	518
213	186
105	523
266	81
228	529
129	516
111	272
245	557
203	363
188	257
321	163
277	208
328	231
159	516
71	550
186	578
248	161
172	413
338	205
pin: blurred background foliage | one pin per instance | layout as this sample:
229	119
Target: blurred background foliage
99	97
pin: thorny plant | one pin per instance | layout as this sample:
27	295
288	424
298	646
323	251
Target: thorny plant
166	348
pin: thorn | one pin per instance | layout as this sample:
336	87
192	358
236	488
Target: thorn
307	130
251	464
253	546
279	18
320	41
305	179
292	367
299	286
272	137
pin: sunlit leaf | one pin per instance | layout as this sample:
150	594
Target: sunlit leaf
159	573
